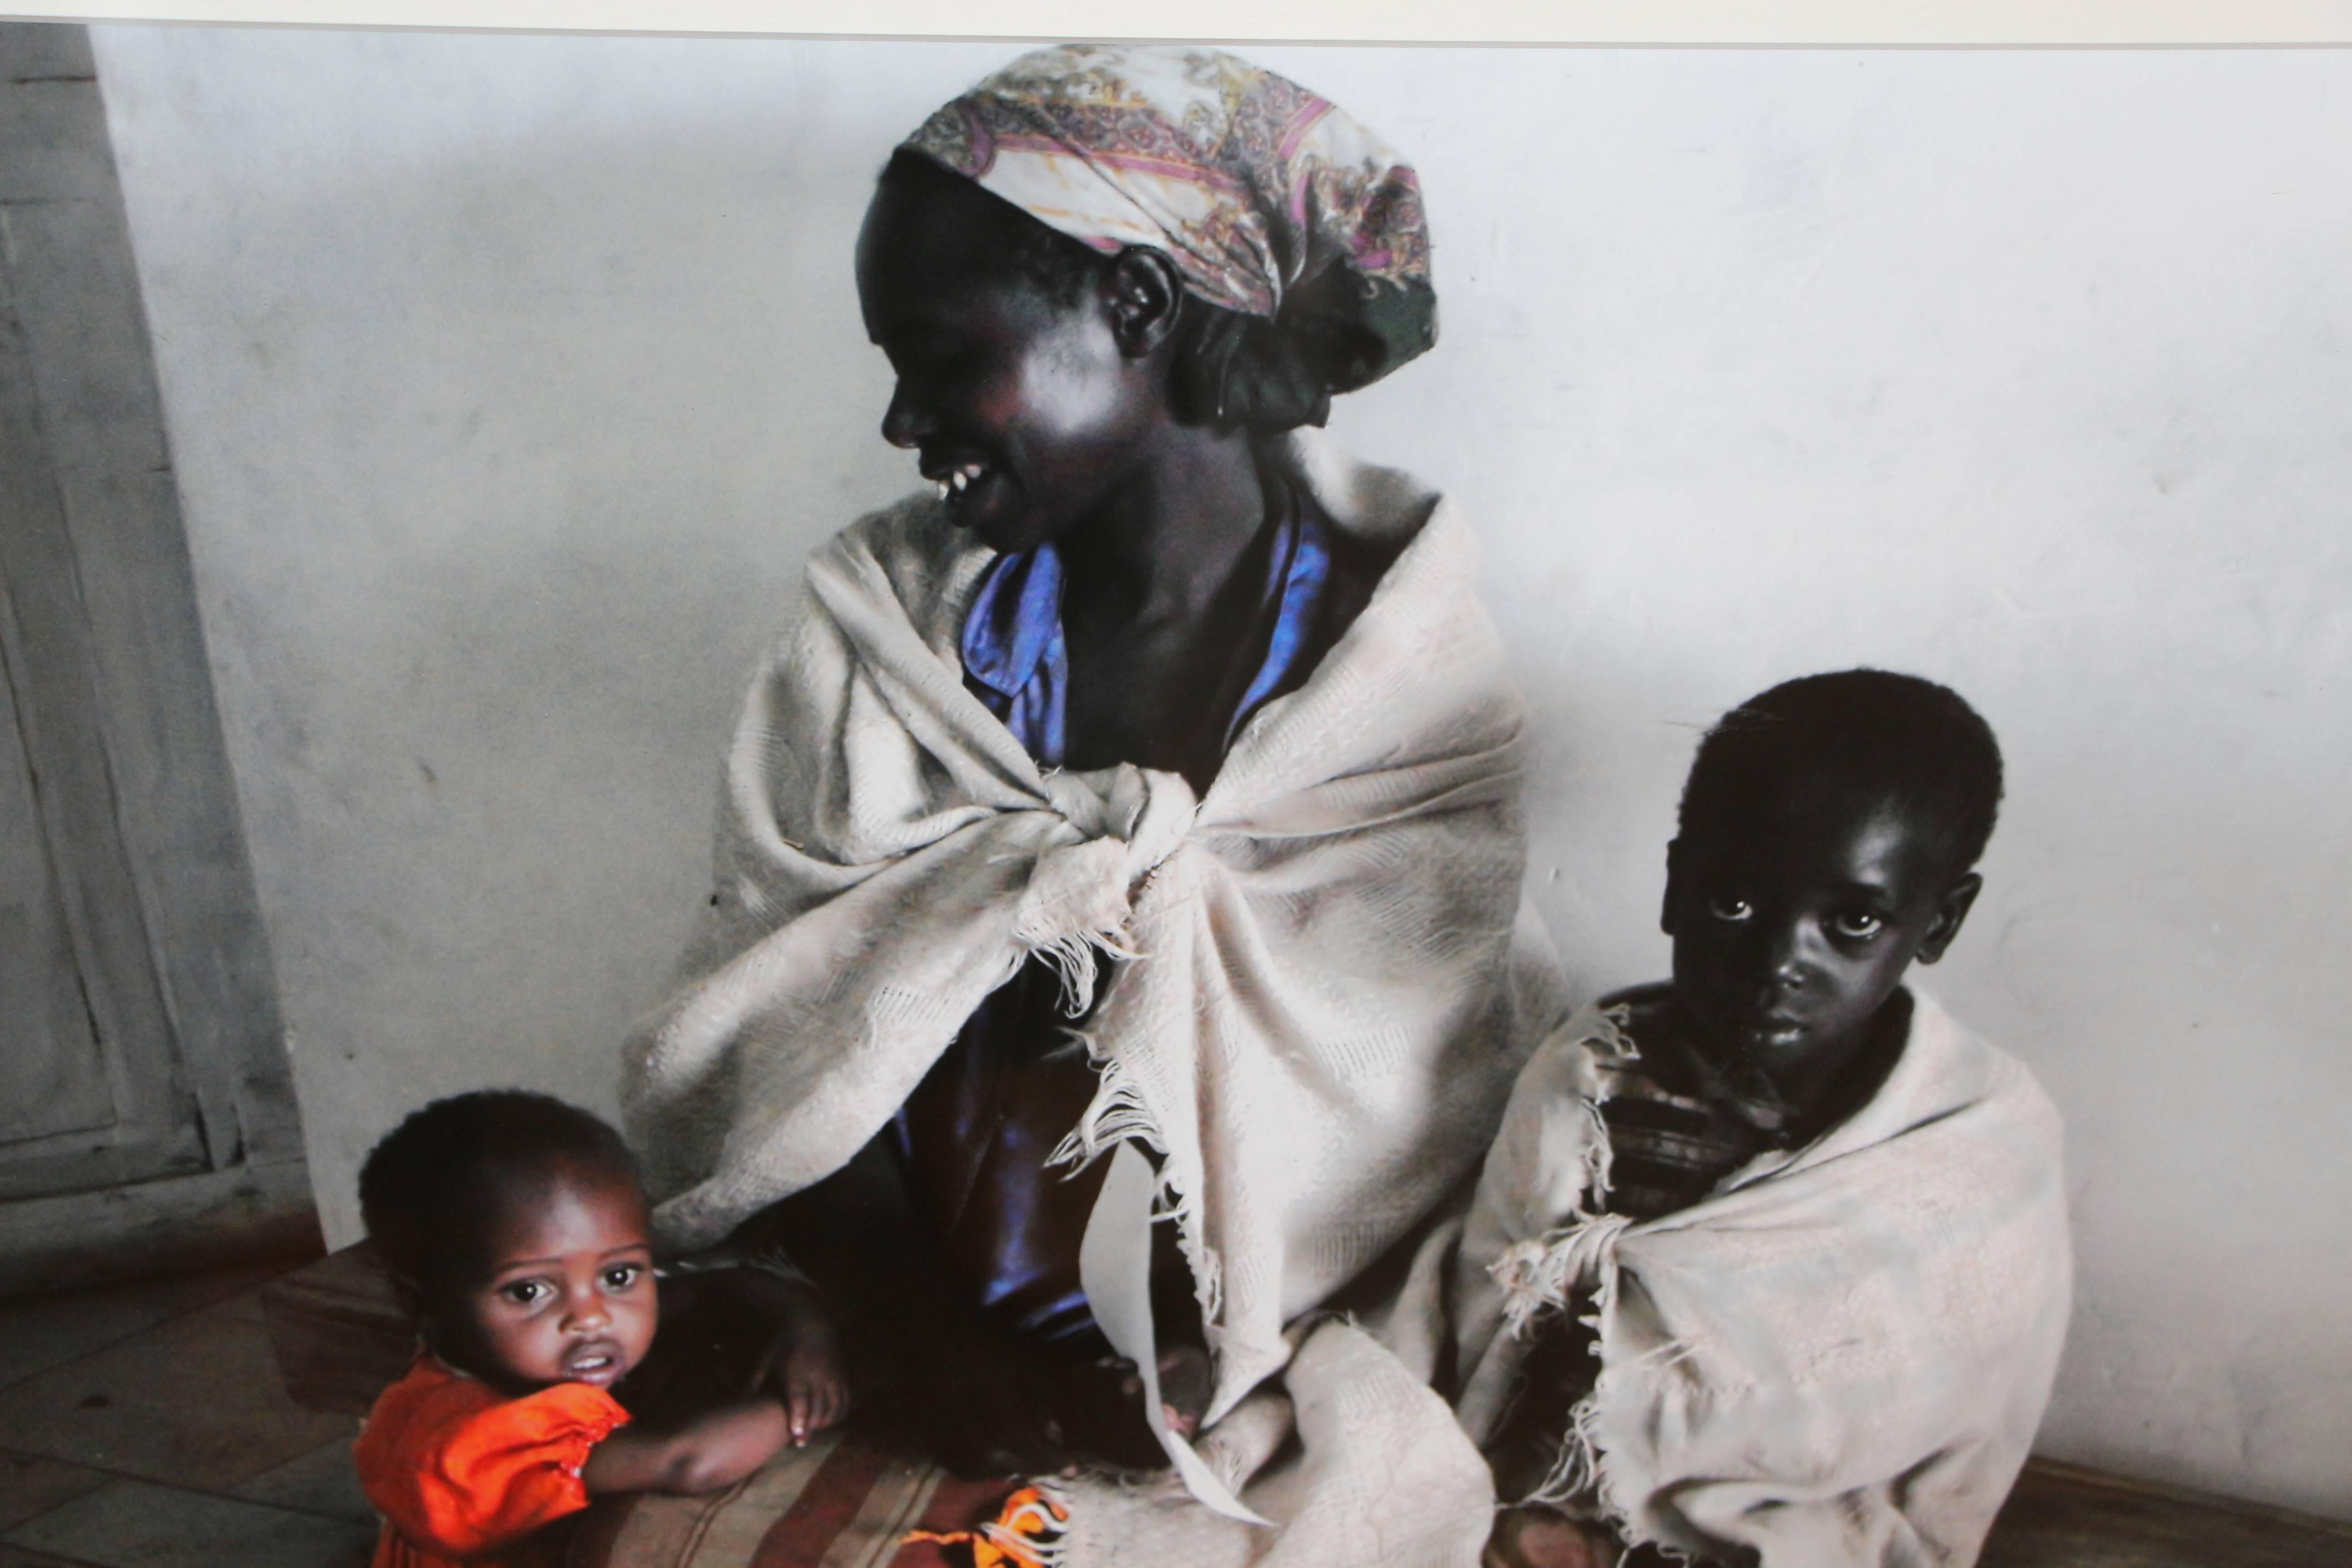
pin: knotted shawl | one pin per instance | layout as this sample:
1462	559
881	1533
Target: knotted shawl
1838	1359
1321	979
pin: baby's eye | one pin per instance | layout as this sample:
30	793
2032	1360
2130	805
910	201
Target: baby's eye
1726	908
621	1276
525	1293
1859	923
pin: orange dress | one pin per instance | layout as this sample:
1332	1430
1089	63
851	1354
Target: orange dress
462	1474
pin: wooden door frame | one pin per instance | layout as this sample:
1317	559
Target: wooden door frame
102	630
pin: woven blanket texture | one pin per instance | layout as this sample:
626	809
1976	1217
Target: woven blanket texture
1321	977
1839	1358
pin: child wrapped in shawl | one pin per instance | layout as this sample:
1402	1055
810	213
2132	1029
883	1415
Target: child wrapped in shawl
1770	1263
1154	782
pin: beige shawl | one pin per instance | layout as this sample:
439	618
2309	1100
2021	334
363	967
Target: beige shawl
1324	980
1839	1358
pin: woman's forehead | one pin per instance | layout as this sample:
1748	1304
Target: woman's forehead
925	229
913	262
909	289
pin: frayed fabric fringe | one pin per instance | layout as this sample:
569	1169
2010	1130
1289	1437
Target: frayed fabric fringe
1118	1114
1077	962
1539	1276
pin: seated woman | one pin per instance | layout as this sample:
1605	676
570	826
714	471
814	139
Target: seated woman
1768	1263
1154	781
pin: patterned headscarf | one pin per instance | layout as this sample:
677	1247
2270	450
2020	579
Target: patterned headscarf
1270	201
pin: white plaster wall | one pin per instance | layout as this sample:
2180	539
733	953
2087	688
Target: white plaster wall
510	379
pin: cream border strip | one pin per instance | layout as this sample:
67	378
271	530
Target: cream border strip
1625	22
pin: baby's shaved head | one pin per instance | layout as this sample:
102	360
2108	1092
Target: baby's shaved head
432	1192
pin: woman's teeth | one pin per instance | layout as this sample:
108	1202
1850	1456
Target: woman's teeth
961	480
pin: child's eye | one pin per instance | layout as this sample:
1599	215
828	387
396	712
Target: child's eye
1859	923
524	1292
621	1276
1729	908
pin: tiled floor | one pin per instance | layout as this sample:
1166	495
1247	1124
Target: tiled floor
145	1426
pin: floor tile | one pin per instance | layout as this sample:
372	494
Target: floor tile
196	1401
132	1524
323	1482
2063	1517
37	1332
18	1557
30	1485
245	1304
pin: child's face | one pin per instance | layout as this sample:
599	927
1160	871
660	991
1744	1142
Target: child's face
569	1296
1027	407
1794	920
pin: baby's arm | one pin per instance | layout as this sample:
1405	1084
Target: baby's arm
708	1454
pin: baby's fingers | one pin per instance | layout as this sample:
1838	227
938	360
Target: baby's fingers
799	1417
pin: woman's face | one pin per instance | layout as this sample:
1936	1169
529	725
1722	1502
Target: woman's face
1026	408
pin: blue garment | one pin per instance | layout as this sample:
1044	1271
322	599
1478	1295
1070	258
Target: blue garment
1019	663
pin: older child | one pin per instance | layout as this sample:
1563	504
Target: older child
516	1233
1769	1263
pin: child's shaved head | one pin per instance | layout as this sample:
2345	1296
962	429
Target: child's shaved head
1895	737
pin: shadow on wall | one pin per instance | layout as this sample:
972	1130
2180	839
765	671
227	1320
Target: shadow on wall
502	464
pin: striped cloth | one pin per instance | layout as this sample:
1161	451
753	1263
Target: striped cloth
843	1501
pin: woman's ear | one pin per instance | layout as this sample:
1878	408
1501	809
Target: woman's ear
1146	297
1950	910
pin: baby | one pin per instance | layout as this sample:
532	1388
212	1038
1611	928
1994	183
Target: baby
1780	1249
516	1235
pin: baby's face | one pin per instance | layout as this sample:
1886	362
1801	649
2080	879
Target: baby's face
1793	924
569	1294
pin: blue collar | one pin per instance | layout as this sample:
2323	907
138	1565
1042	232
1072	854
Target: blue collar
1016	660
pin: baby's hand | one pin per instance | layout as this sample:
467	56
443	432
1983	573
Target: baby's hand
810	1383
801	1367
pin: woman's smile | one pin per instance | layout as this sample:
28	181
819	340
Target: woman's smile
968	486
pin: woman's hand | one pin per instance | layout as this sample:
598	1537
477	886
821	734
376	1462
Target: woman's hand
708	1454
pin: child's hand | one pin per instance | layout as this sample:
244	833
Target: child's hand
810	1383
708	1454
